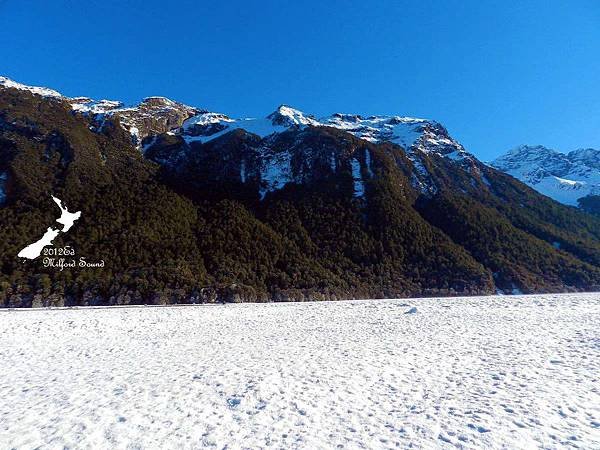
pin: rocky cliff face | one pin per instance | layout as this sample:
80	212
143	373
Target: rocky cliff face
153	116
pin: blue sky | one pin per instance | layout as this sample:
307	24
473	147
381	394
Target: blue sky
495	73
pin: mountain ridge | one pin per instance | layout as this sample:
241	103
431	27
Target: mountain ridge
371	128
372	207
566	177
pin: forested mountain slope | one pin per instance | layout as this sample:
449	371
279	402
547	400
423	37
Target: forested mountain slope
185	205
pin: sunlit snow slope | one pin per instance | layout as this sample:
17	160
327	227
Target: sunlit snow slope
565	177
493	372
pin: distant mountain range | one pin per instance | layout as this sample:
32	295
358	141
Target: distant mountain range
571	178
187	205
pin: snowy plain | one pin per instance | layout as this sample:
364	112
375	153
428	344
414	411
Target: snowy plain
481	372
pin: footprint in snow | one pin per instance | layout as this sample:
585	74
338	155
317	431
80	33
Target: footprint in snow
261	405
441	437
479	428
412	310
233	402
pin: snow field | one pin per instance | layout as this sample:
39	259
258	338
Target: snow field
481	372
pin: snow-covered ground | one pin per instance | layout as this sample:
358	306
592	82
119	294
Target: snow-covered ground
483	372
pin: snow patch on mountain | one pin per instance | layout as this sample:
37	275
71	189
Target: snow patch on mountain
359	185
400	130
421	178
3	178
368	163
260	127
565	191
85	105
43	91
565	177
276	172
205	119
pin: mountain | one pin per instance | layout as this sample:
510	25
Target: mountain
154	115
572	178
187	205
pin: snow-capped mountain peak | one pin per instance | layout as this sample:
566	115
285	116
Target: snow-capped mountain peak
531	161
565	177
587	156
43	91
288	117
205	127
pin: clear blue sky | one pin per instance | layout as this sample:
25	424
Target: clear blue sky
496	73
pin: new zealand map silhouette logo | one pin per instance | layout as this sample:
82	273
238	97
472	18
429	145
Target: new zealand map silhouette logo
66	219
